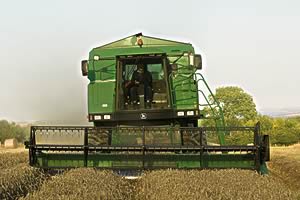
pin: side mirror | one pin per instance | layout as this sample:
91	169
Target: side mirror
198	61
84	67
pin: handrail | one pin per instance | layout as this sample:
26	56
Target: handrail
218	114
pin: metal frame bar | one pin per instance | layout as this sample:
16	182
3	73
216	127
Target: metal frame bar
144	151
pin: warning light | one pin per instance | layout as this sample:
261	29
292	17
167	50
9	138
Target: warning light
139	39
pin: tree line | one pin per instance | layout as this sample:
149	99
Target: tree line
10	130
239	109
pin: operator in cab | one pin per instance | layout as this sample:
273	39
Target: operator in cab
141	77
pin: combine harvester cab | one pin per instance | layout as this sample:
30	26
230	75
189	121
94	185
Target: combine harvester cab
143	98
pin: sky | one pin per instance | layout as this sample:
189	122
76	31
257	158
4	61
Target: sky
251	44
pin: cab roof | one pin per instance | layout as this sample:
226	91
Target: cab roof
148	41
150	45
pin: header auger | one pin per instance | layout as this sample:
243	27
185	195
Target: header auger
144	100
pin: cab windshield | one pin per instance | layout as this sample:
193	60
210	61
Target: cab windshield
142	83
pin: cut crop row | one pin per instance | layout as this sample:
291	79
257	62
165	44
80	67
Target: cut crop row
19	180
210	184
84	184
8	160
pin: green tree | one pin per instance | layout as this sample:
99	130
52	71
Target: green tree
12	130
266	123
285	131
238	106
240	110
5	130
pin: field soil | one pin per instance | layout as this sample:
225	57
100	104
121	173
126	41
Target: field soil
20	181
285	165
12	150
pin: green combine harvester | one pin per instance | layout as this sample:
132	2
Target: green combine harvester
145	98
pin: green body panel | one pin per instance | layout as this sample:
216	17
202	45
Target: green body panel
99	99
183	87
151	161
184	91
136	50
102	70
101	89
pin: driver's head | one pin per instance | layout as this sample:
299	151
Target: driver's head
140	68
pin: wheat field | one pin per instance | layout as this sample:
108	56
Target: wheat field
19	181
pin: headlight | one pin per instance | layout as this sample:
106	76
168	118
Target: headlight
96	58
180	113
106	116
191	59
97	117
190	113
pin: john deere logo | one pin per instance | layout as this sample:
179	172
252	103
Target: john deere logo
143	116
